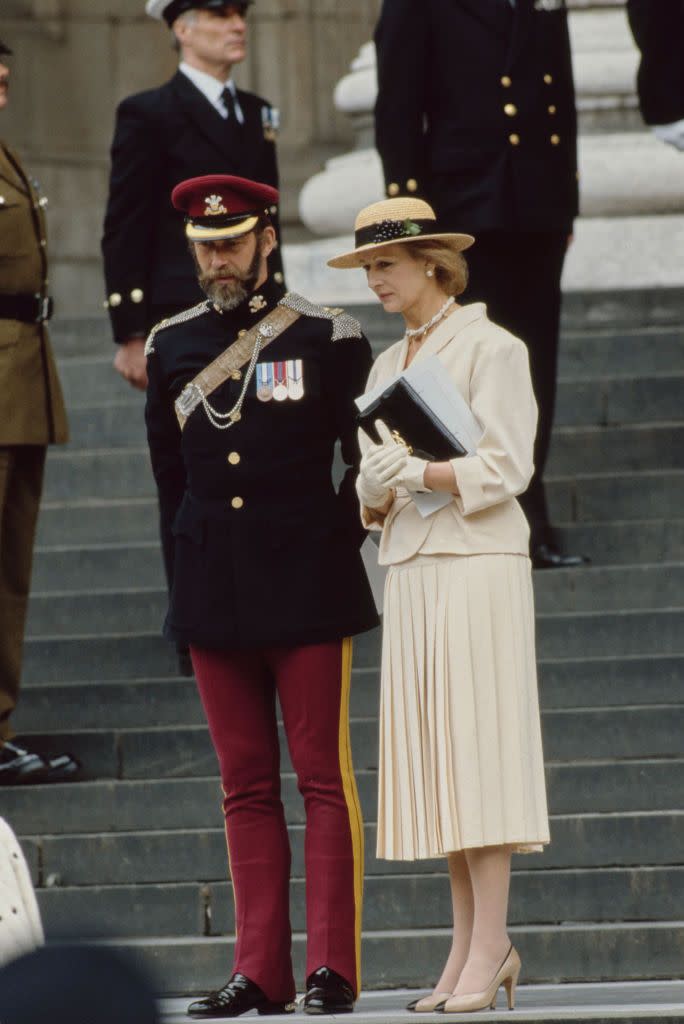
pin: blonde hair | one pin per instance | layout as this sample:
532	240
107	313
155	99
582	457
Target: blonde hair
451	268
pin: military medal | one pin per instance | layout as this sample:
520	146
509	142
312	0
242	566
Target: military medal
264	382
280	381
295	380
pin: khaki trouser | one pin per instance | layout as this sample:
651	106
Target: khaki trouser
21	484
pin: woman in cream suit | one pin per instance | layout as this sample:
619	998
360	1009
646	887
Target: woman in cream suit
461	771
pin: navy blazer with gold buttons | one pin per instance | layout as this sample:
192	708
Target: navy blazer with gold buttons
266	548
476	111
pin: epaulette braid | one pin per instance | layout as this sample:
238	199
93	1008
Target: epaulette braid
344	325
179	318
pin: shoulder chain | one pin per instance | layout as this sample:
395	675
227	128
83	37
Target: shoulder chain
344	325
179	318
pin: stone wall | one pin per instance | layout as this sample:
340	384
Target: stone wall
75	59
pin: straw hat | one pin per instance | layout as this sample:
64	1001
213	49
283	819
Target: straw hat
394	221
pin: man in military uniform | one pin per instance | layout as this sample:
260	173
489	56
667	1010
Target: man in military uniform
476	112
658	29
248	394
197	123
31	417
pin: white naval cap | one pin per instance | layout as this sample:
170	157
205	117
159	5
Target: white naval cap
170	9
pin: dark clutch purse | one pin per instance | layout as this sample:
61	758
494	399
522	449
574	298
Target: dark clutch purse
412	423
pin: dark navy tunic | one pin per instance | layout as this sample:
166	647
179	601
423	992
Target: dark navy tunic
266	549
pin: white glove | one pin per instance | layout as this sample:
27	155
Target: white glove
409	474
378	465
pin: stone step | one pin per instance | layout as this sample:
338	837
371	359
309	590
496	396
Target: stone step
591	589
625	543
185	751
118	420
98	521
624	449
120	806
91	380
395	901
574	683
125	858
582	952
626	1002
68	658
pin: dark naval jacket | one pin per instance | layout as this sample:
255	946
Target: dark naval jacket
266	550
162	137
476	111
658	29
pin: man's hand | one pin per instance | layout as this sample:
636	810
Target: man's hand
131	362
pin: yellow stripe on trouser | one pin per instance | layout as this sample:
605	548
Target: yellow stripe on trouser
351	797
230	866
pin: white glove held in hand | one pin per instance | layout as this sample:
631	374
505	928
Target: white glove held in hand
411	472
378	465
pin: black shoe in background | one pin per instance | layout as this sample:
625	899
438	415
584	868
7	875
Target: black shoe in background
20	767
548	556
328	992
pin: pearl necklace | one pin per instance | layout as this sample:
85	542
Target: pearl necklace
414	332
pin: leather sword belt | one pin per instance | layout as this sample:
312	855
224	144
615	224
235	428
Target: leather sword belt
30	309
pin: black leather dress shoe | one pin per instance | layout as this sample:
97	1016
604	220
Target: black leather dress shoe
328	992
546	556
20	767
239	995
63	768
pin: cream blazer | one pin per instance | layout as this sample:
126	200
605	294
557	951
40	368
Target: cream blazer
490	367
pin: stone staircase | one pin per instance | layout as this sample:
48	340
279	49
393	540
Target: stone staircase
136	854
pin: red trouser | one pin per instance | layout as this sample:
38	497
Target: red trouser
238	691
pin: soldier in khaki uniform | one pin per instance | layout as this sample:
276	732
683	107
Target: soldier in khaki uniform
31	417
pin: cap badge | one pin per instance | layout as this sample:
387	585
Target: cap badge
214	206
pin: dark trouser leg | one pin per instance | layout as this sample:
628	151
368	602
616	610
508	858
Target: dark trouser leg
238	694
21	484
313	686
518	275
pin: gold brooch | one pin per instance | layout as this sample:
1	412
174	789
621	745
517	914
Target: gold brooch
214	206
256	303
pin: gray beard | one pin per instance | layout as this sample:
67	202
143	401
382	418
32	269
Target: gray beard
229	296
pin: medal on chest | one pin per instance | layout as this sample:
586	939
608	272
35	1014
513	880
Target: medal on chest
280	381
295	380
264	382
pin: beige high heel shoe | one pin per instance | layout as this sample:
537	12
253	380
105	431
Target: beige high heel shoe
428	1004
507	975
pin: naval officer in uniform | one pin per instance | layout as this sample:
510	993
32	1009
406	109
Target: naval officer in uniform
32	416
476	114
197	123
249	392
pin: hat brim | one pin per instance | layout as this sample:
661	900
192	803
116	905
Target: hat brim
203	233
356	258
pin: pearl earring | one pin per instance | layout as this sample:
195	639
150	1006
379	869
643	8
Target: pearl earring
430	273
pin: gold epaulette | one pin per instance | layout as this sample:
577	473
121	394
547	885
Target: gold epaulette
179	318
344	325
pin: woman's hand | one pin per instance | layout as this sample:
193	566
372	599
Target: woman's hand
379	465
409	473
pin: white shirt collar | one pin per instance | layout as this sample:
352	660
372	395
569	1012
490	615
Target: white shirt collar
211	87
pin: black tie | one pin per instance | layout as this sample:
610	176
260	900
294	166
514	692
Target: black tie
229	103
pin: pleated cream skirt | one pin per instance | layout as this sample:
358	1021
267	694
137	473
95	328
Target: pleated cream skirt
461	762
